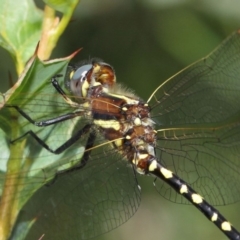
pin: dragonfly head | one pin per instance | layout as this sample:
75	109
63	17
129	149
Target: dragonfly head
79	80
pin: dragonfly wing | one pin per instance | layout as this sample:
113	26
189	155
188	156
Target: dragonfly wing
85	203
197	116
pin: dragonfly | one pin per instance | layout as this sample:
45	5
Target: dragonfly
82	171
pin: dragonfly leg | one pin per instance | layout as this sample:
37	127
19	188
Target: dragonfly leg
64	146
60	90
85	157
48	121
82	163
57	86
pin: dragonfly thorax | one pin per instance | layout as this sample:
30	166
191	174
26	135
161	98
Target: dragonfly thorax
120	116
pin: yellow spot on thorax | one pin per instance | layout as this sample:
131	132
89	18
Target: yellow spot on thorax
137	121
107	124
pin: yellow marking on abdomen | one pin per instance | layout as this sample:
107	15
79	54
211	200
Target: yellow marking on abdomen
166	173
197	198
152	166
184	189
214	217
226	226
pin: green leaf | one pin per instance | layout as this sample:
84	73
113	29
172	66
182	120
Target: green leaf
20	29
29	167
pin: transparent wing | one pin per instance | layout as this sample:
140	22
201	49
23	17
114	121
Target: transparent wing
86	203
78	205
197	116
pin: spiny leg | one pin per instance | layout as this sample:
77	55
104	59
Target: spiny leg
58	119
85	157
48	121
51	121
64	146
56	85
60	90
81	164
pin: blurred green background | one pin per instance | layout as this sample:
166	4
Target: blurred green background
147	41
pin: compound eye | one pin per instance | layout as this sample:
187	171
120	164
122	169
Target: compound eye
77	81
81	72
